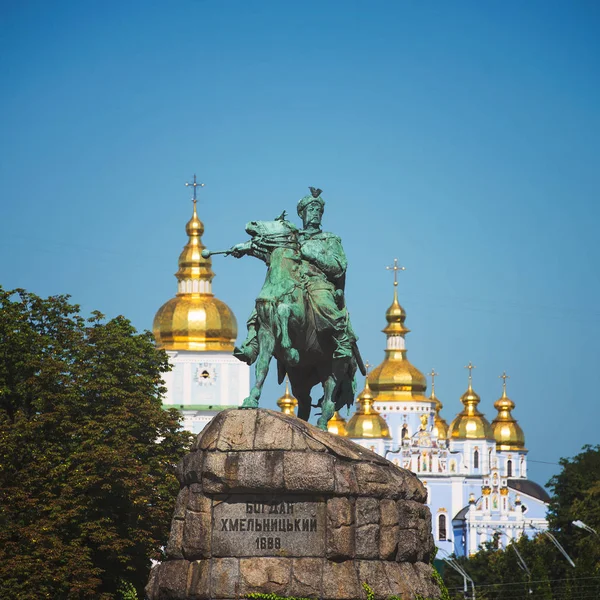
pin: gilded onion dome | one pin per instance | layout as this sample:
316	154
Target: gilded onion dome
507	432
287	403
337	425
396	379
366	422
440	427
194	319
470	424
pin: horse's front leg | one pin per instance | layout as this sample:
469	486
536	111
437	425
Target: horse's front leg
266	342
292	356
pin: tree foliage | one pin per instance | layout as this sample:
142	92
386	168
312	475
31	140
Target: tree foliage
87	453
575	496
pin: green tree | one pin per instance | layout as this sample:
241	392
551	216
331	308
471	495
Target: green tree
576	496
87	454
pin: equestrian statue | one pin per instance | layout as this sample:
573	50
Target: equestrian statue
300	316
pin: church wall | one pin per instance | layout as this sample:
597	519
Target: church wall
203	379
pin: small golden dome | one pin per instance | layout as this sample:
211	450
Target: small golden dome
366	421
507	432
396	378
395	315
192	265
470	424
287	403
195	319
440	427
337	425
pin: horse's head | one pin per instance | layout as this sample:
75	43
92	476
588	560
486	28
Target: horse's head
270	235
271	229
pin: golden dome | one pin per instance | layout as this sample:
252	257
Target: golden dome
366	421
337	425
195	319
470	424
396	379
507	432
287	403
440	427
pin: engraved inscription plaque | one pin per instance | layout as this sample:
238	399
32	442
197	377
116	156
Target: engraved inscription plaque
268	526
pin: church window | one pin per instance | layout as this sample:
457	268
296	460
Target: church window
509	468
476	459
442	528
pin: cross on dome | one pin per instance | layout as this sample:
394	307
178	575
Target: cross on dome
395	268
433	375
504	377
470	366
194	185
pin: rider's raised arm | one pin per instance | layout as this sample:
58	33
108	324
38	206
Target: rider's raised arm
240	250
248	248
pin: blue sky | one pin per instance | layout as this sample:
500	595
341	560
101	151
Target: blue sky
461	137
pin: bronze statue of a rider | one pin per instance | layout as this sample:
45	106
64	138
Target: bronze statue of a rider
323	344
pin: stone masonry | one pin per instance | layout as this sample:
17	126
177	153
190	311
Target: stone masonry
271	504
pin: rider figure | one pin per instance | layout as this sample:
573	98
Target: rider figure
324	269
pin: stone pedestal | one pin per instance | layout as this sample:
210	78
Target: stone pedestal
271	504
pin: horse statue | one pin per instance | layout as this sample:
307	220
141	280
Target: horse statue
286	328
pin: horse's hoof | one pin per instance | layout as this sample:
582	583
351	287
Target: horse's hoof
322	424
249	403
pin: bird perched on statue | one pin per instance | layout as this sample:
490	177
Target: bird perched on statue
316	192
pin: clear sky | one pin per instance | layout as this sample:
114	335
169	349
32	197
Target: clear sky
461	137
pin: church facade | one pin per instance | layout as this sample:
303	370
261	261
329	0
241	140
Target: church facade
475	471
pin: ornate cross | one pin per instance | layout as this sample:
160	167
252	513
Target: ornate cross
504	377
470	366
433	375
368	365
195	185
396	268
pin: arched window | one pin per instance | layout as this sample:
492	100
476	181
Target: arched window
509	468
476	459
442	527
